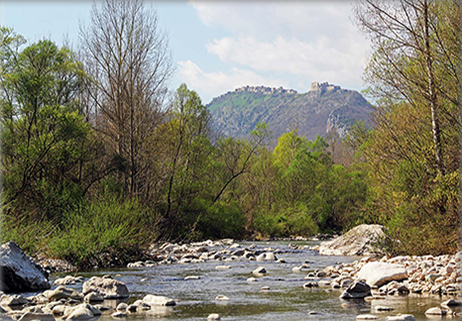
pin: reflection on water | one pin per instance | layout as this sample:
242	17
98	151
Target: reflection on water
286	299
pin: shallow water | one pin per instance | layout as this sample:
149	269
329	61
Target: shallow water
286	300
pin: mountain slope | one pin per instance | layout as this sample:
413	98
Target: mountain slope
323	109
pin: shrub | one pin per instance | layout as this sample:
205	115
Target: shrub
104	227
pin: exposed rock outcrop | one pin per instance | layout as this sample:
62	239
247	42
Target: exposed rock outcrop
325	108
18	273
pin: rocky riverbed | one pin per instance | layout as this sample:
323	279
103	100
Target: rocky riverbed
250	281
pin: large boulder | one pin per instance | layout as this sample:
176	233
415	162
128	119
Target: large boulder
18	273
361	240
107	287
380	273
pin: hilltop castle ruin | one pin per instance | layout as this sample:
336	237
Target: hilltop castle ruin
323	87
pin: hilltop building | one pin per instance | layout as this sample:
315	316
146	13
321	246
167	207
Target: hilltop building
323	87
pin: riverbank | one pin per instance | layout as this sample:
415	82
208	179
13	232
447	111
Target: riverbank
198	285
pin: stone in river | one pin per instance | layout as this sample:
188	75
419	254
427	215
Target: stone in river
401	317
154	300
366	317
260	270
107	287
436	311
380	273
18	272
357	290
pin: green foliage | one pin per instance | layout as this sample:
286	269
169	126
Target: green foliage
42	131
303	192
104	226
30	234
412	157
222	220
68	194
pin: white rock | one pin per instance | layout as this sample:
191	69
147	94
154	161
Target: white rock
11	300
435	311
358	241
222	298
259	271
81	313
213	316
108	288
267	256
62	292
380	273
122	306
93	297
156	300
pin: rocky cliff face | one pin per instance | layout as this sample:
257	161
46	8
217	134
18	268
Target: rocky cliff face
323	109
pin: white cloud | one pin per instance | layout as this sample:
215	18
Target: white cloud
300	42
213	84
319	60
265	19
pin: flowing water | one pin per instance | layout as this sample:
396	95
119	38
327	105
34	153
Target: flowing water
286	299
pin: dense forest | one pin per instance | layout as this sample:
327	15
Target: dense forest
99	160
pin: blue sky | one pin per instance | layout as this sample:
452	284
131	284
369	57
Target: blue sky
219	46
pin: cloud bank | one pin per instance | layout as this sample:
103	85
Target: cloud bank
275	43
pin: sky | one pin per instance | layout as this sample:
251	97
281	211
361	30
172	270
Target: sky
218	46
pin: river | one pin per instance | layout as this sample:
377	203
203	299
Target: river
286	299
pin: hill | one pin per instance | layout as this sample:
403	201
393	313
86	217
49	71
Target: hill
323	109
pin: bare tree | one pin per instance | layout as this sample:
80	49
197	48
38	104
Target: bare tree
130	62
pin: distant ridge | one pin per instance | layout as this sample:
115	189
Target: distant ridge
323	109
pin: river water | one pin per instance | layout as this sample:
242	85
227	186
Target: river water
286	299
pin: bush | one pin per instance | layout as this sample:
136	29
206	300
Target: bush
30	234
222	220
300	222
104	227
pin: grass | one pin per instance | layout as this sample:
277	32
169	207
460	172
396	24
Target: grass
98	233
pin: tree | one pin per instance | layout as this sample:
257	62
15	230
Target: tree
413	153
129	61
43	134
185	138
416	57
237	154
